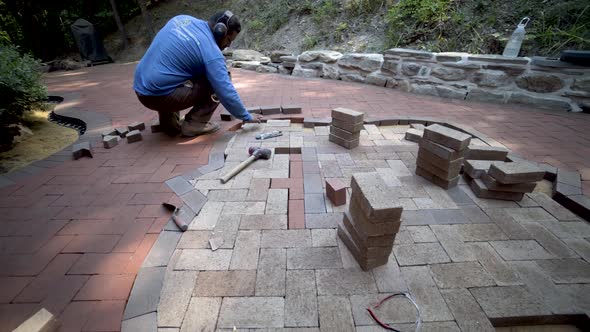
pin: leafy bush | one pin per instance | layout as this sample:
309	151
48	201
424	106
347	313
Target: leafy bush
411	20
325	12
20	87
363	7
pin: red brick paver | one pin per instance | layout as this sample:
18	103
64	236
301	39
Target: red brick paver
73	237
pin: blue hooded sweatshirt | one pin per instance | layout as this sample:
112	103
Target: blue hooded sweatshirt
184	49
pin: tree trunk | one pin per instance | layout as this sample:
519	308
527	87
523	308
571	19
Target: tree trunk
120	25
147	19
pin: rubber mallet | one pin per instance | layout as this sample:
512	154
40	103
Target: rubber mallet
255	153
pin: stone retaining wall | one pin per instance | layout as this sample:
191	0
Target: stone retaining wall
536	81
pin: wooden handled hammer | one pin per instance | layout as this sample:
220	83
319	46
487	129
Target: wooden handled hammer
255	153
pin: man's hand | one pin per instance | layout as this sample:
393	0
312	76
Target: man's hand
256	118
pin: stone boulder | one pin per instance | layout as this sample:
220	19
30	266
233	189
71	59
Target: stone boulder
248	65
423	89
451	92
330	72
546	102
490	78
266	69
304	72
582	84
285	71
449	74
477	94
275	56
376	79
391	65
540	83
351	77
411	69
247	55
288	58
322	56
365	62
408	53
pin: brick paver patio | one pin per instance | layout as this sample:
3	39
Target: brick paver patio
73	237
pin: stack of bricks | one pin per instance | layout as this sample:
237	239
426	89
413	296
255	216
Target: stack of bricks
440	155
373	218
502	180
346	127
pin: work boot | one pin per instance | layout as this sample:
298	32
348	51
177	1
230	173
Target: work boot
192	128
170	123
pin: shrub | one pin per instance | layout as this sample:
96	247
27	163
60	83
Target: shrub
410	20
20	87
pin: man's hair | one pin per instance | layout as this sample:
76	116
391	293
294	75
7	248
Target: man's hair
233	24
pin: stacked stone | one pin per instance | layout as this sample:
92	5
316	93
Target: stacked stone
373	218
346	127
503	180
440	155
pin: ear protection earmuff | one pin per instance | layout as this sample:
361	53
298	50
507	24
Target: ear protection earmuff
220	27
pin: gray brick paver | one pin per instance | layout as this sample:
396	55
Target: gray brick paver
251	312
225	283
271	273
201	314
246	251
301	308
175	297
335	314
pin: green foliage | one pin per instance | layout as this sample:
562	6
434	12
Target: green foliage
256	25
340	31
562	26
410	20
324	14
363	7
20	87
309	42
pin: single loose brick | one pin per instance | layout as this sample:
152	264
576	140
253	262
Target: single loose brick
136	126
134	136
347	115
270	110
485	152
516	172
336	191
480	190
316	122
122	131
110	132
291	109
448	137
414	135
82	149
254	109
156	127
477	168
494	185
110	142
345	134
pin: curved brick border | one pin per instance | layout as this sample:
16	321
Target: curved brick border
95	124
141	310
